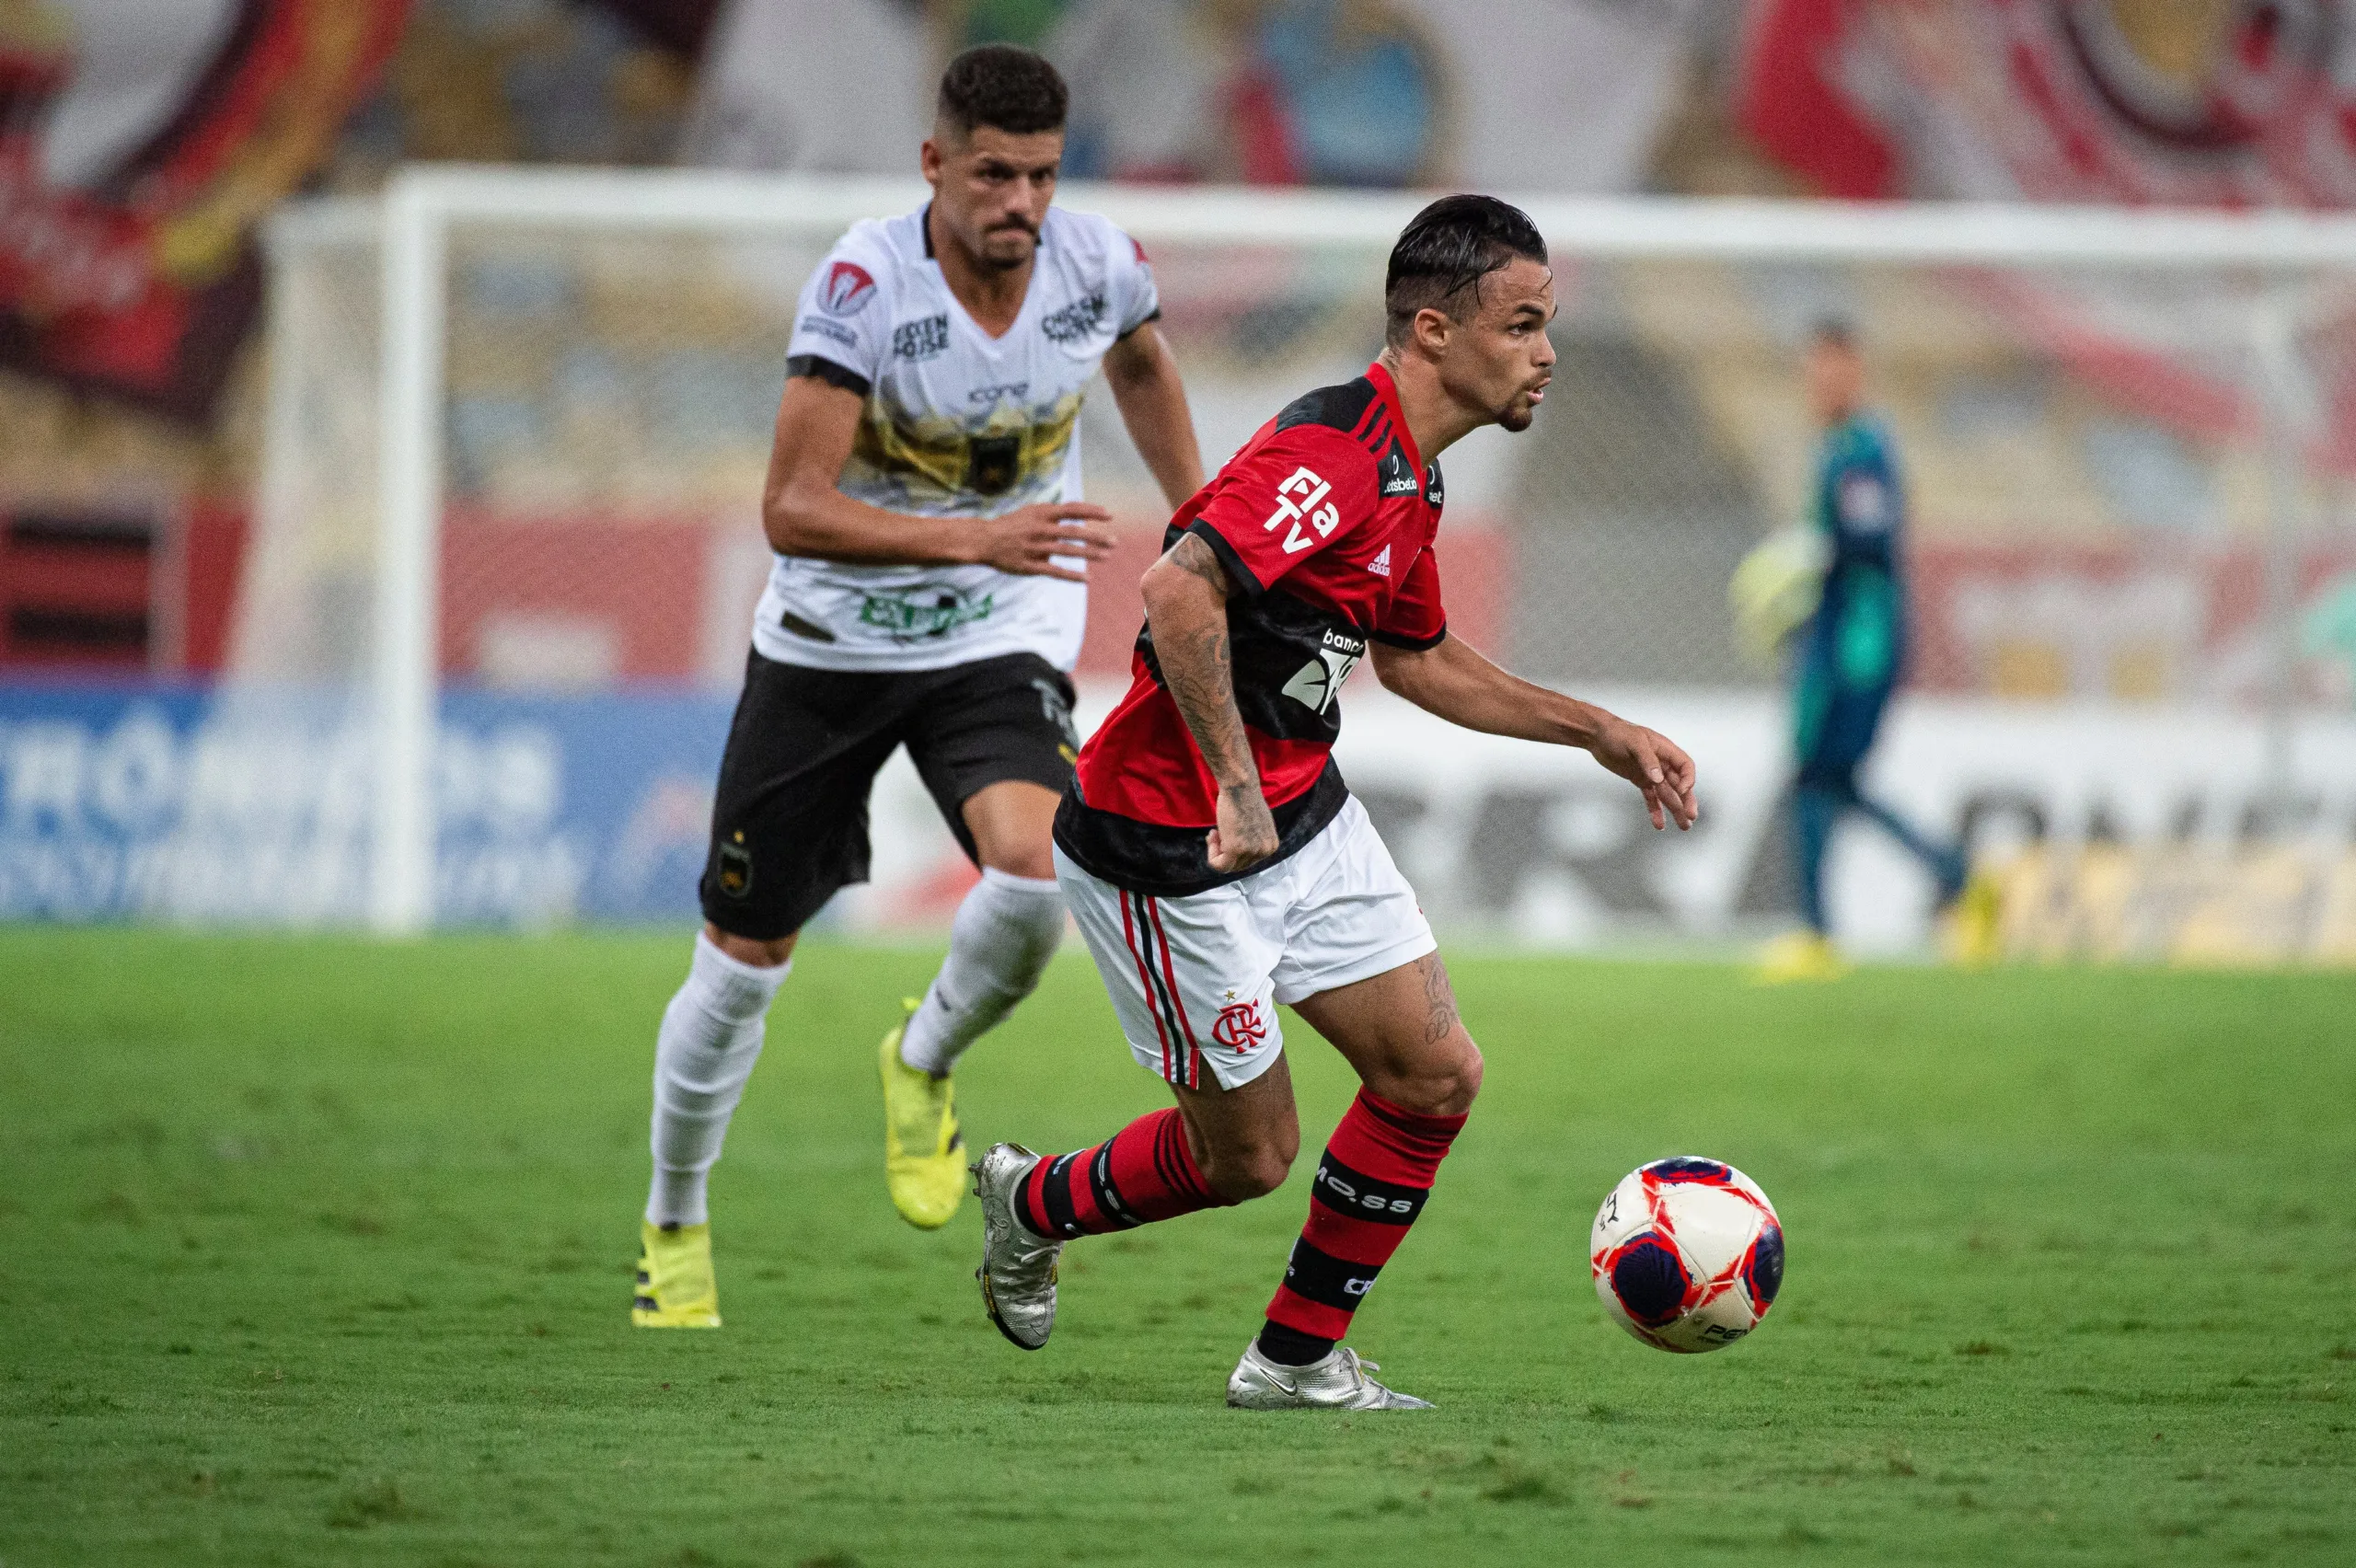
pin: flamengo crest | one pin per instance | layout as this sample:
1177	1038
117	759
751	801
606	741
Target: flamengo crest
1240	1026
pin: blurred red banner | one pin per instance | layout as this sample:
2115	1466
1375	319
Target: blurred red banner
138	148
2249	103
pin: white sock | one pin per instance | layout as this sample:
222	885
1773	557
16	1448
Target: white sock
710	1040
1005	932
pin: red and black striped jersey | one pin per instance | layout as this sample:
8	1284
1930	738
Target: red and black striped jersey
1325	523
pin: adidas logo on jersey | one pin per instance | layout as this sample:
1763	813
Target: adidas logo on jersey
1380	564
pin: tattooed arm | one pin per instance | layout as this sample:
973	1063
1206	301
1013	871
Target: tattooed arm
1186	607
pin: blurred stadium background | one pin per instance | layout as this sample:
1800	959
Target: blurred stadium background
2134	547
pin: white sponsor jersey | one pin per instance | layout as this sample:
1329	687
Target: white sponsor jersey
957	424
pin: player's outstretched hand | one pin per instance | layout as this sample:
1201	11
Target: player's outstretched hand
1244	834
1656	765
1040	539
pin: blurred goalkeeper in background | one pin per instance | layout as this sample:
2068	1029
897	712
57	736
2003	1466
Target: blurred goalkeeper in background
1836	588
928	591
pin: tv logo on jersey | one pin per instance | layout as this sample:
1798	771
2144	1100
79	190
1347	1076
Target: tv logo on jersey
1303	499
1240	1025
845	289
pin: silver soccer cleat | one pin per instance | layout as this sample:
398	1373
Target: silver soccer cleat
1338	1383
1018	1272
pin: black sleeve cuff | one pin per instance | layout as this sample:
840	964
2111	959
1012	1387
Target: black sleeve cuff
1134	325
1236	572
1412	644
819	368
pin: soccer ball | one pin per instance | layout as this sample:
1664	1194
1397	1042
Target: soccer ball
1688	1254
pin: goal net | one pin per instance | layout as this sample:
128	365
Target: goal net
508	545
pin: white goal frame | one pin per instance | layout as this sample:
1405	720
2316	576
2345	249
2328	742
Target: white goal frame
413	220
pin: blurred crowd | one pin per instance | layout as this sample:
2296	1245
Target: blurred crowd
142	140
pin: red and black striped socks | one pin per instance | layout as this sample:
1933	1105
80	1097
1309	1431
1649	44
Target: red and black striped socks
1143	1174
1371	1182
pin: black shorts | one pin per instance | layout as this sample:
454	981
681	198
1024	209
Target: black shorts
788	820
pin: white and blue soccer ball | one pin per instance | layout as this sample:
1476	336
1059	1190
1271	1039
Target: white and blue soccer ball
1688	1254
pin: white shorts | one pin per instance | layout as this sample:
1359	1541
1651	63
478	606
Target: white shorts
1197	979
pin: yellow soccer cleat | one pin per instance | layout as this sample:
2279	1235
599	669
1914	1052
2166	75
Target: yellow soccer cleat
1802	956
921	1163
676	1288
1975	924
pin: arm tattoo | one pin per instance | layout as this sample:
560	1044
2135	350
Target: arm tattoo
1195	557
1199	670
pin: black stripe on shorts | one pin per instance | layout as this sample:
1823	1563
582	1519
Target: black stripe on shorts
1151	947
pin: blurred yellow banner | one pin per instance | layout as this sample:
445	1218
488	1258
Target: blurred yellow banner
2184	904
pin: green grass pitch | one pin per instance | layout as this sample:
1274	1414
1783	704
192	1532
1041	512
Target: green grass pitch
318	1251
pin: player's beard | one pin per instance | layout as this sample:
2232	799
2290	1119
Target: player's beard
1521	409
1008	257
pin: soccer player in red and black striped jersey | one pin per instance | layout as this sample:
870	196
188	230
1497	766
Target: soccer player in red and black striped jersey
1220	868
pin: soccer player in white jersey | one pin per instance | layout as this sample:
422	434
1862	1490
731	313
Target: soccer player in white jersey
929	591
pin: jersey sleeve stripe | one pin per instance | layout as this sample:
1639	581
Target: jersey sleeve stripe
1241	574
1412	644
1150	318
819	368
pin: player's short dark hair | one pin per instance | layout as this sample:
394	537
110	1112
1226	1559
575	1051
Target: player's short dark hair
1832	332
1004	87
1447	249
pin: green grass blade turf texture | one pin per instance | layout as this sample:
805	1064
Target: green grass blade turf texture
318	1251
